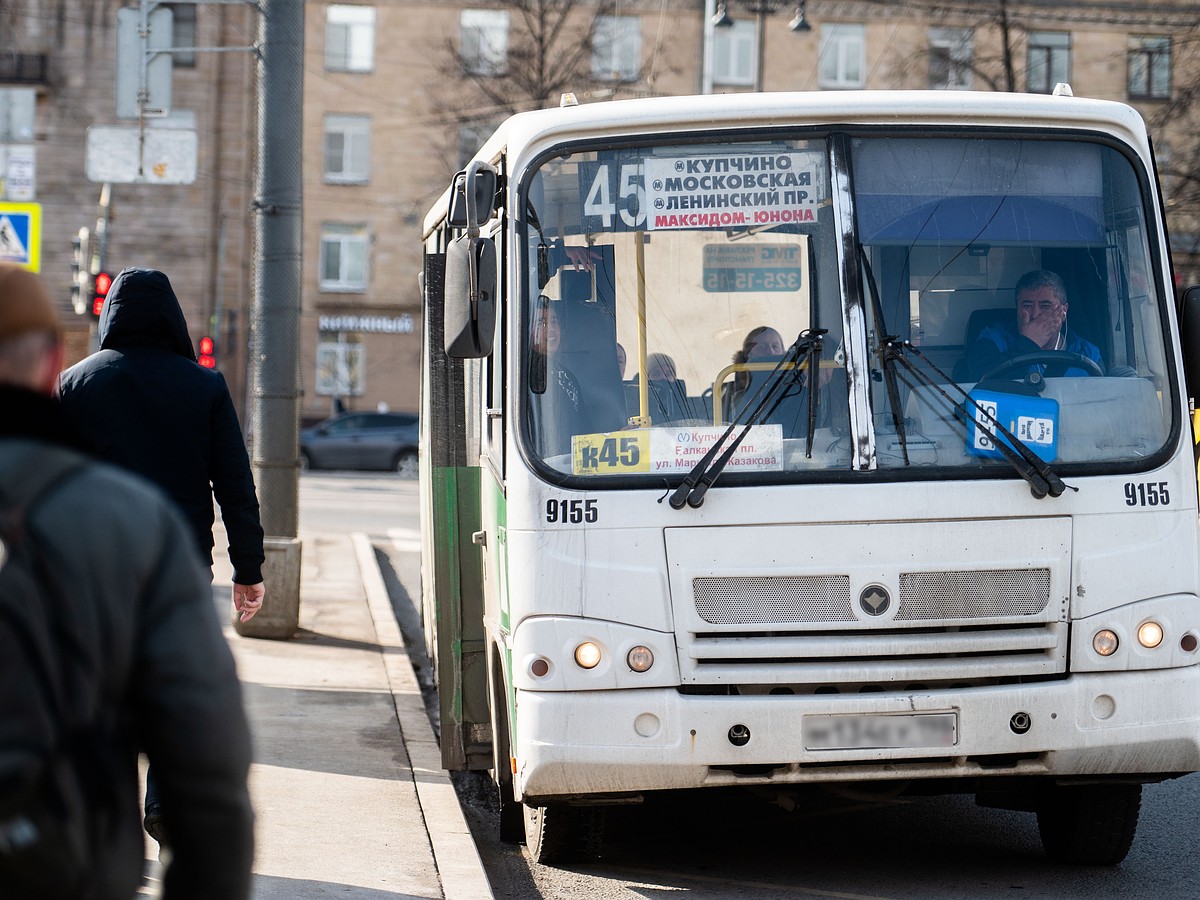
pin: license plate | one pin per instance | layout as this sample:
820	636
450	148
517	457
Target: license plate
901	731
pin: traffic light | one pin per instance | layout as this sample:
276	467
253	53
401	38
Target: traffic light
100	286
207	357
79	271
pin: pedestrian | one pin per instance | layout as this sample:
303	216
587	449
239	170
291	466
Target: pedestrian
140	643
150	407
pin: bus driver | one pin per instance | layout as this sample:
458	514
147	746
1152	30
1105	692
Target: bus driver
1041	325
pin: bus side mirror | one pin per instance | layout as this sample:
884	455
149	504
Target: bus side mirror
473	195
470	287
470	297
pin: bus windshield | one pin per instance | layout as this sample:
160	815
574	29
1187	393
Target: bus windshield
996	290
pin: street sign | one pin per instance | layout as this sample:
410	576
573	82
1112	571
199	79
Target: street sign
133	59
17	106
21	235
141	156
17	172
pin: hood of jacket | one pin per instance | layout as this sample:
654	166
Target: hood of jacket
141	310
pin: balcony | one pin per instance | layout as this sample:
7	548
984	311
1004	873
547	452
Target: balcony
24	68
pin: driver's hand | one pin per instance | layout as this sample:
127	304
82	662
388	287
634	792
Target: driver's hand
1041	327
583	259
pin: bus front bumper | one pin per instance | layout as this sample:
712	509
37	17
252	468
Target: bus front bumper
1136	724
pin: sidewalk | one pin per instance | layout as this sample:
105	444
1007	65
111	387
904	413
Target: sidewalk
347	784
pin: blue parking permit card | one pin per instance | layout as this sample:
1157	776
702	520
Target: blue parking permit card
1033	420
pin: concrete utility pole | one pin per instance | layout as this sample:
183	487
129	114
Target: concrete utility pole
275	312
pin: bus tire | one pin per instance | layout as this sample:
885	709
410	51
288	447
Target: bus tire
564	834
1090	825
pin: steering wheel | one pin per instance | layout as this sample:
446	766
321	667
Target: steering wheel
1056	362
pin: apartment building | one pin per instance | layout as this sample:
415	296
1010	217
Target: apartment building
398	93
198	233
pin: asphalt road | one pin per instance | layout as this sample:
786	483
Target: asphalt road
740	845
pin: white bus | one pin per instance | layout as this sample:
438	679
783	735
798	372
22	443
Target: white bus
805	441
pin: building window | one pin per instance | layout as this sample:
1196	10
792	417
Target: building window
183	34
734	57
471	137
617	48
347	149
1149	68
483	41
343	258
341	365
1049	60
350	39
843	56
950	57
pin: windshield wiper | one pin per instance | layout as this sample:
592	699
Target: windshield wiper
1043	481
885	359
1036	471
764	402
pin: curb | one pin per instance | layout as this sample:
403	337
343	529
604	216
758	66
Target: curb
455	854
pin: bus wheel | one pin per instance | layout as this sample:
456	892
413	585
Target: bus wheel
1091	825
564	834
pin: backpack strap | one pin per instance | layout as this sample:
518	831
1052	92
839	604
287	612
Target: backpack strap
30	476
34	473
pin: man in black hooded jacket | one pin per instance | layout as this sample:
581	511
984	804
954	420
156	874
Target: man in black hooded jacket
149	406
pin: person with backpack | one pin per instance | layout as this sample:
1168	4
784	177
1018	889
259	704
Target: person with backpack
149	406
109	645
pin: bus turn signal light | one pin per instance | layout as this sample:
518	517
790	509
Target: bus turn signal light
1105	642
640	659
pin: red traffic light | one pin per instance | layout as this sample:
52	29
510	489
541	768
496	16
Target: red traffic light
207	357
100	286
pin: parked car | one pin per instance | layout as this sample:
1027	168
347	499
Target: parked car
362	440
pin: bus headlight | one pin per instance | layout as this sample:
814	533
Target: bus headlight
1150	635
639	658
1105	642
587	655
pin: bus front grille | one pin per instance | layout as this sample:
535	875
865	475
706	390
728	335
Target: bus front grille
773	601
963	628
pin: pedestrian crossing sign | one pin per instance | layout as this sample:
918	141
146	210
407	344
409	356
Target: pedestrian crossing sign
21	234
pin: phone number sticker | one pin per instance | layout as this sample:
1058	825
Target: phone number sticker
730	268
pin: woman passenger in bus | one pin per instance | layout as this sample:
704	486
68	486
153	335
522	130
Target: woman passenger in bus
758	343
557	403
765	344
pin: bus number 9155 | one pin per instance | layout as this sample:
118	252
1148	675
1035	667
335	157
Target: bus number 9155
571	512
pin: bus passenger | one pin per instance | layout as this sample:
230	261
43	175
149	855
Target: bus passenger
557	402
669	401
759	342
1041	324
